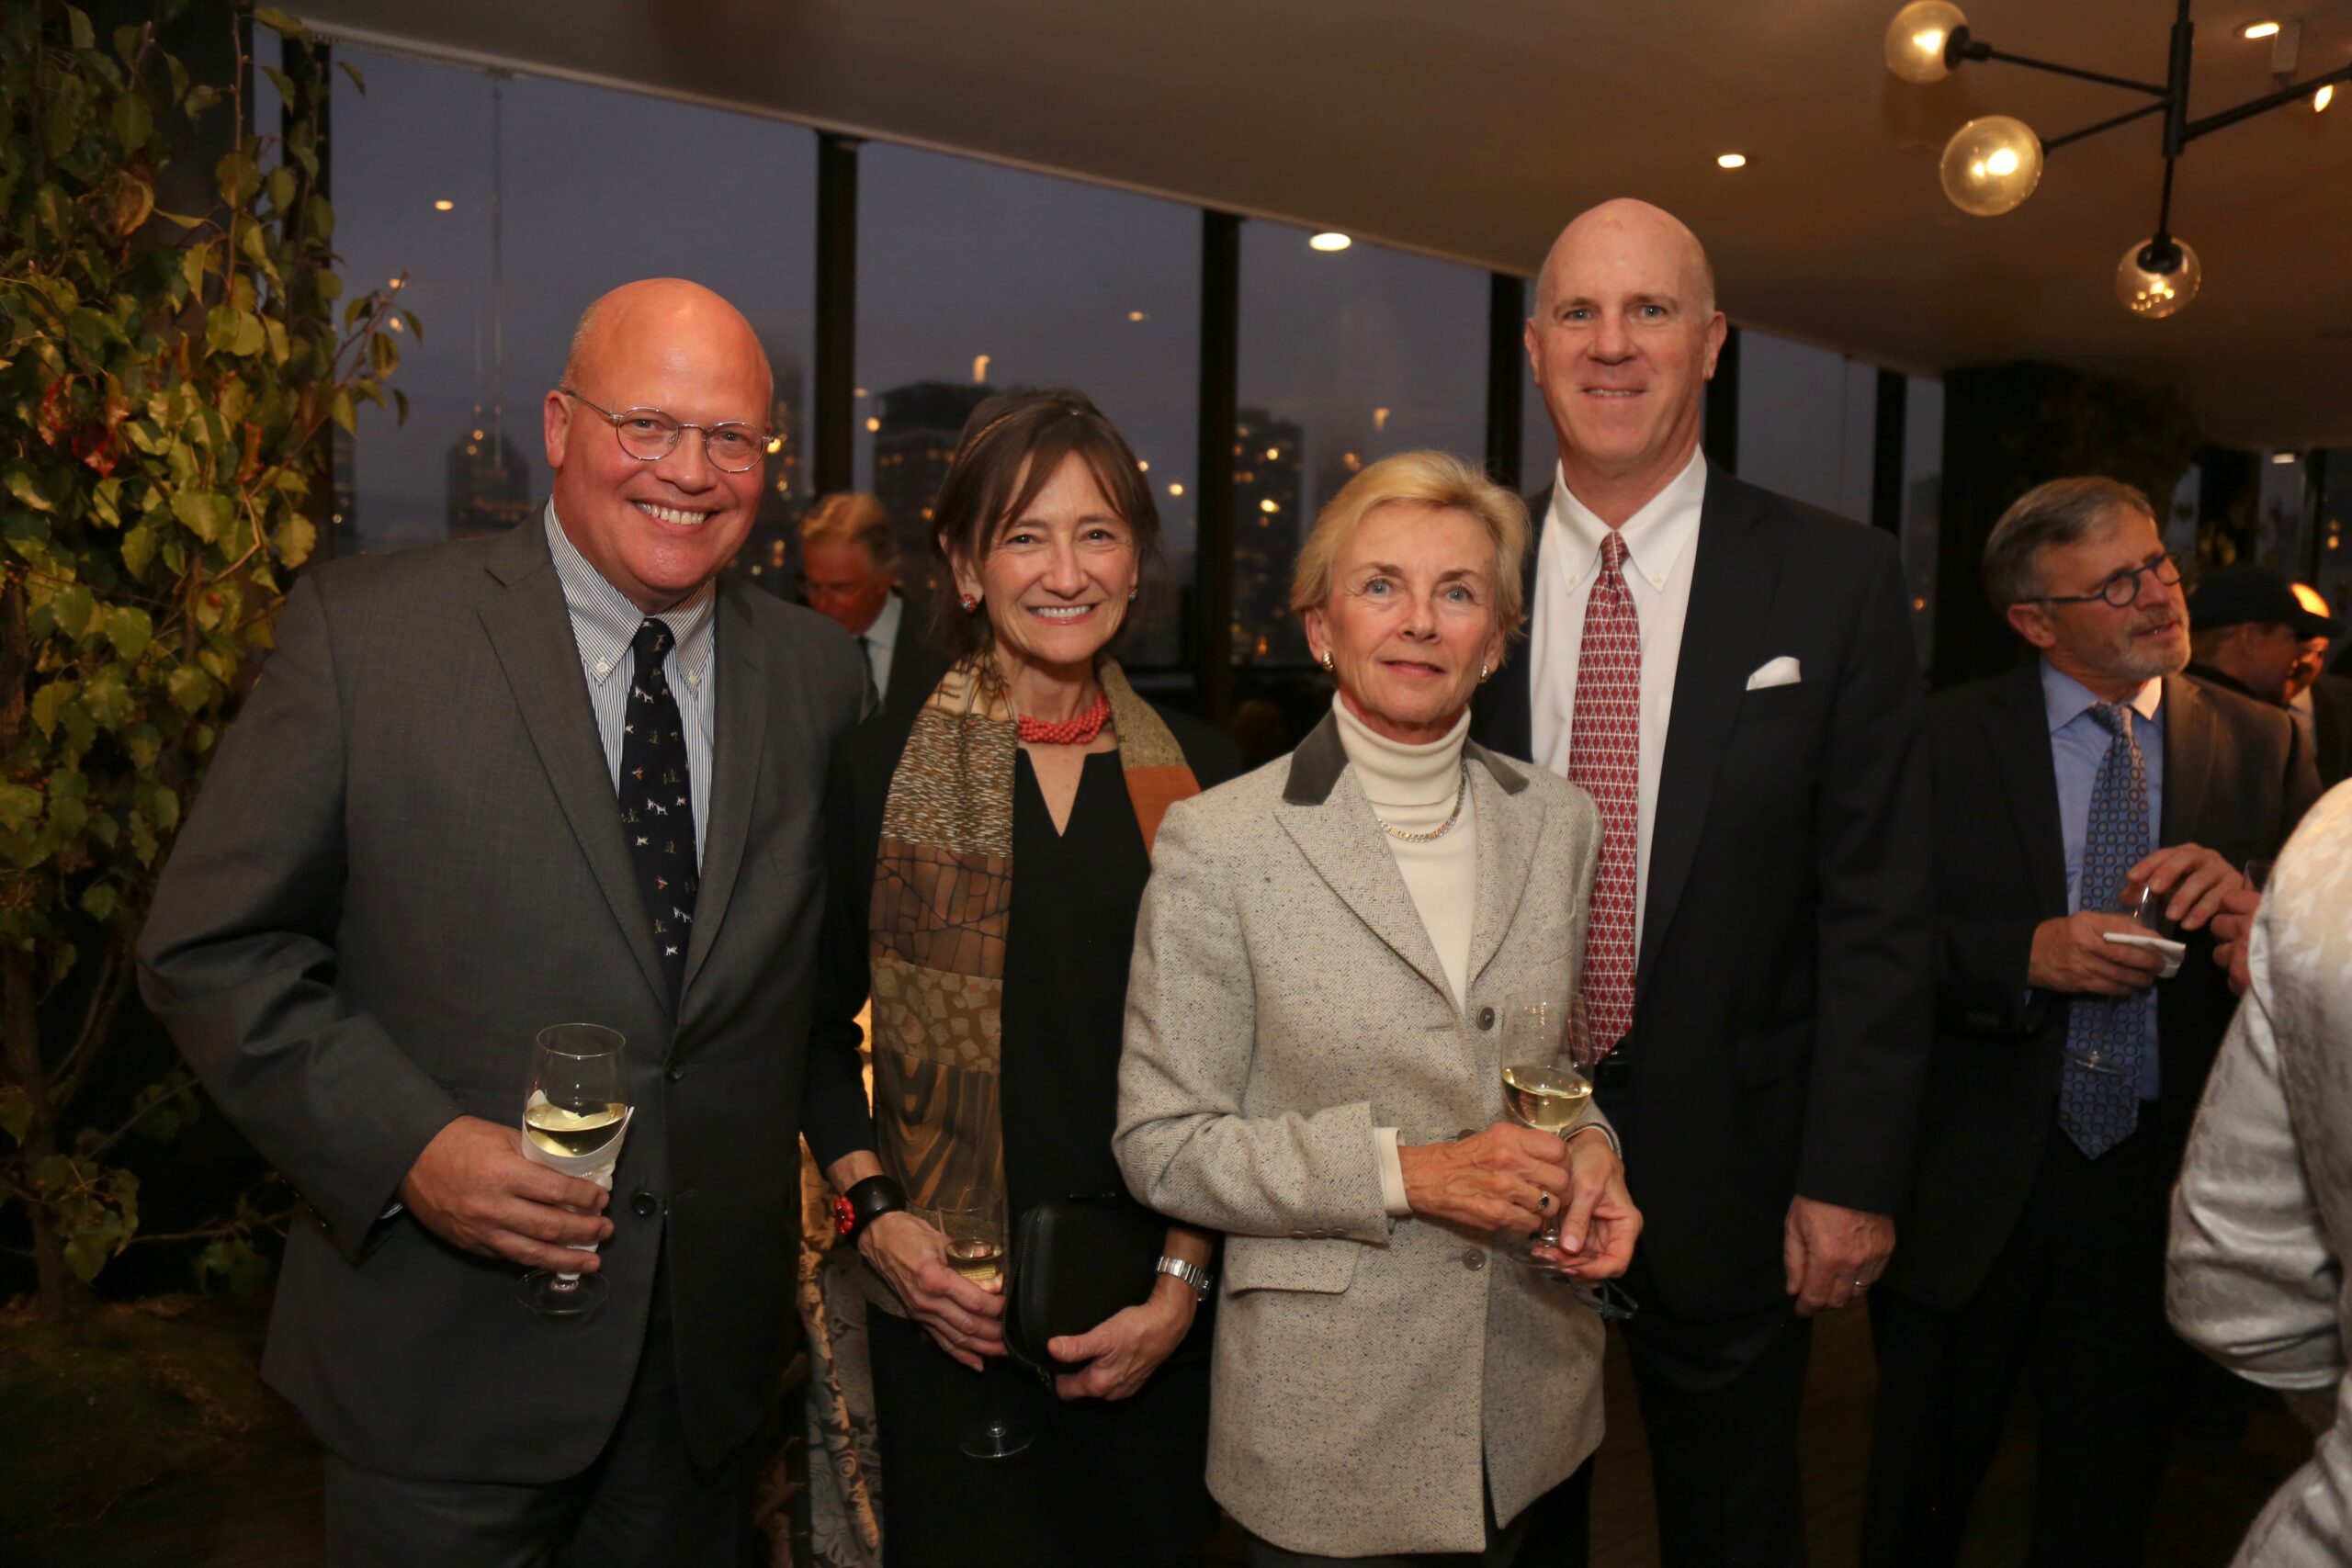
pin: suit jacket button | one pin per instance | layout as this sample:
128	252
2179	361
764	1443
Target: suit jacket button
643	1204
1486	1018
1299	1235
1474	1259
677	1070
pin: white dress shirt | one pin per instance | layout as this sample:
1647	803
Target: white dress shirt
1660	549
880	639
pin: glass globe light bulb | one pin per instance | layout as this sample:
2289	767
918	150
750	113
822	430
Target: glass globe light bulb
2158	277
1916	40
1991	164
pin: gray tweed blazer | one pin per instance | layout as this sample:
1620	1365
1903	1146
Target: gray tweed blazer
2262	1219
1284	1000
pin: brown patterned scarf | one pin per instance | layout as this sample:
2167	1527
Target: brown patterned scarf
943	899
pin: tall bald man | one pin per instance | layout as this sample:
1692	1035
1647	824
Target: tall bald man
570	773
1730	675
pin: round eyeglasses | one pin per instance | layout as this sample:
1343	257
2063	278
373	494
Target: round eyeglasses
2120	590
649	435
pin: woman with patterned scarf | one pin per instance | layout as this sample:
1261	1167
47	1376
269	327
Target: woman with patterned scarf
985	869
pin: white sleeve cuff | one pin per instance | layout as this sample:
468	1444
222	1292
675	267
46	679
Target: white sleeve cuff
1392	1173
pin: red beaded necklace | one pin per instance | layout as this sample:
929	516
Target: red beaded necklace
1079	731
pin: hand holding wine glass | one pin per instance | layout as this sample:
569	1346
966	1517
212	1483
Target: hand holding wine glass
1549	1050
575	1115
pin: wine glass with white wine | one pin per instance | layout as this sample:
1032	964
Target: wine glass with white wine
1549	1052
575	1114
973	1222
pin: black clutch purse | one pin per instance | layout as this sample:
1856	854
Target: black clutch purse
1076	1261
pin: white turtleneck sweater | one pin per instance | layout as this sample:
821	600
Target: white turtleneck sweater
1413	788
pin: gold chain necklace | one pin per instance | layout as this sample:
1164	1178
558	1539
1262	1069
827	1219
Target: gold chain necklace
1442	829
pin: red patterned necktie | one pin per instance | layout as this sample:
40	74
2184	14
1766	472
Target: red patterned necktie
1604	759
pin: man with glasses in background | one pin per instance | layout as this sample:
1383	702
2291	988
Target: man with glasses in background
570	773
849	573
2066	1065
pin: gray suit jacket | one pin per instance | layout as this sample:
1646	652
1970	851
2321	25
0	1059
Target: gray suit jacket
406	860
2262	1219
1283	1001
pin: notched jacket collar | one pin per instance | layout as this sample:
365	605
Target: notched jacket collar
1322	756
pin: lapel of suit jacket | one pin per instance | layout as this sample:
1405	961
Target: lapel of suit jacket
1735	569
1326	813
2021	747
1509	823
738	743
2191	737
530	630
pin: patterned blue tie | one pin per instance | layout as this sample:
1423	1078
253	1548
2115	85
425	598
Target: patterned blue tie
656	803
2098	1094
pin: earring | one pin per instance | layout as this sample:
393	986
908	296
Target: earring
1327	661
1132	593
1483	673
968	603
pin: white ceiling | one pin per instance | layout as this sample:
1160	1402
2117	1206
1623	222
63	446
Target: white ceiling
1473	129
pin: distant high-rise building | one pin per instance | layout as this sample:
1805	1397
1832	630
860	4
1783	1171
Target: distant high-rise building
342	511
490	487
766	556
915	434
1267	491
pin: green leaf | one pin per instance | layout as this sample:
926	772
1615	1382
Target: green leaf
108	699
383	354
78	28
68	816
163	805
250	339
130	628
280	23
19	806
47	702
220	329
138	549
415	327
190	688
238	178
73	608
200	100
133	122
204	514
295	539
346	414
98	899
353	71
22	485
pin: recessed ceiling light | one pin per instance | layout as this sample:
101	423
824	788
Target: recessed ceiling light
2259	30
1731	161
444	205
2282	458
2325	96
1175	489
1329	241
1139	316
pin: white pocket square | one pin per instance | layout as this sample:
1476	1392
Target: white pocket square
1780	671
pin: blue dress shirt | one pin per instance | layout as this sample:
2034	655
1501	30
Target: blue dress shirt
2078	746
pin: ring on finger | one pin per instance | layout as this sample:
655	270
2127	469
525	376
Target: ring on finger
1542	1200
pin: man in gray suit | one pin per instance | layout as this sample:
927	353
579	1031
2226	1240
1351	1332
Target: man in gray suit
410	857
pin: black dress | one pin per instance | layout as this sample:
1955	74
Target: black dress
1105	1482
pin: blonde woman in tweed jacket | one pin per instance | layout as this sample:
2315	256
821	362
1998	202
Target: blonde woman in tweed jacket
1313	1067
2262	1219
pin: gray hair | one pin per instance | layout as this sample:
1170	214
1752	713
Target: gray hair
853	517
2050	516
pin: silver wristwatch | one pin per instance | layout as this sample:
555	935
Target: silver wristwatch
1192	1274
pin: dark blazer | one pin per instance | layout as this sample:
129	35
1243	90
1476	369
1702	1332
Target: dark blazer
917	662
1781	1004
2236	780
2332	728
407	859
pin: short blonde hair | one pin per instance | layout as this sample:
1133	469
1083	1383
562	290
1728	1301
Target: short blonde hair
853	517
1439	482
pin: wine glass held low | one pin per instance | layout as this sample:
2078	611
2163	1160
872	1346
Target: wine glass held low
1549	1052
575	1116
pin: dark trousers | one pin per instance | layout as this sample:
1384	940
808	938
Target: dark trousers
1553	1531
642	1504
1719	1397
2077	1300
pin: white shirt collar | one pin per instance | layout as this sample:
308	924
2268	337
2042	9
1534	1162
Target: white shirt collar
884	632
603	621
1656	537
